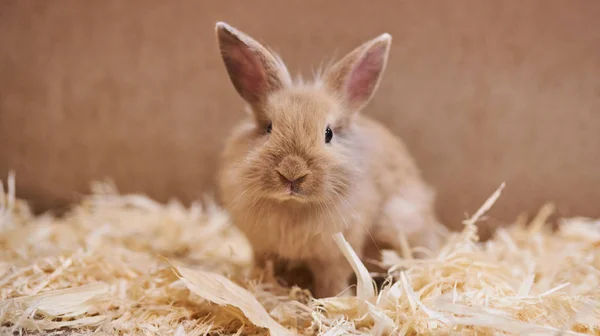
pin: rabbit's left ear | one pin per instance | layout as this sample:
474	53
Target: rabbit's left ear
355	77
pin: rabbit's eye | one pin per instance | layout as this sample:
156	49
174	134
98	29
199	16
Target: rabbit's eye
270	127
328	135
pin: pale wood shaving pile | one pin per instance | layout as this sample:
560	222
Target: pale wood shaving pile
127	265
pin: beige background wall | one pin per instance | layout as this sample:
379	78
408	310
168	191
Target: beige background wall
482	92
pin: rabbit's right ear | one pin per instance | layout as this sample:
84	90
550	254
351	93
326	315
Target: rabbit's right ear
254	71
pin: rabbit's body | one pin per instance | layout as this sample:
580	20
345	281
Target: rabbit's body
306	165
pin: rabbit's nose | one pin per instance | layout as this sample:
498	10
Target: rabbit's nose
292	171
294	180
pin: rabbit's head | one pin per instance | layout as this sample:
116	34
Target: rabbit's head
303	144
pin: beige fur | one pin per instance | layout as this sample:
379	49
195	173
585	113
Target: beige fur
363	183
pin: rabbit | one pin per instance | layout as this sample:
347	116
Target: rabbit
306	163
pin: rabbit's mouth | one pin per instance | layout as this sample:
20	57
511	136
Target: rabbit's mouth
291	194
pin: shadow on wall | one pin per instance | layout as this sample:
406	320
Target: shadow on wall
481	93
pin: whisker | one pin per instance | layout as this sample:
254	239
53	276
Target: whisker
335	223
360	222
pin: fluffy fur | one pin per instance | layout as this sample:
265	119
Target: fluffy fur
289	191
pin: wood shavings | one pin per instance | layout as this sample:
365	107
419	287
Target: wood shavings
365	290
101	269
222	291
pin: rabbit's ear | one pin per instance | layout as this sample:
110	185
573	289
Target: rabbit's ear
254	71
355	77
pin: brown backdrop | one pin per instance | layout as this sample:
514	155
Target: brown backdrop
482	92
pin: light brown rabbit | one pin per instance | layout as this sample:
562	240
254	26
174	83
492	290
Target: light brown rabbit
307	164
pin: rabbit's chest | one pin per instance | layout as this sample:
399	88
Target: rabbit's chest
305	237
304	241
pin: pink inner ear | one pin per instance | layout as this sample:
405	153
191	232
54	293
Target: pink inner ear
247	73
365	75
